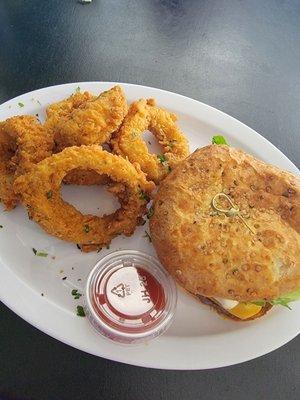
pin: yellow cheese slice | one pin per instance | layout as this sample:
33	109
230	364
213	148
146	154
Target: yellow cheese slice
245	310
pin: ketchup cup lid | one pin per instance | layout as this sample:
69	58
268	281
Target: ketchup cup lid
129	297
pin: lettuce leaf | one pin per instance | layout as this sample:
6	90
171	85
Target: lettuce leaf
218	140
282	300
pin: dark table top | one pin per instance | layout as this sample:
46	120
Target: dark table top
242	57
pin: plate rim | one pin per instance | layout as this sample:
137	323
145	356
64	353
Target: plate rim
14	302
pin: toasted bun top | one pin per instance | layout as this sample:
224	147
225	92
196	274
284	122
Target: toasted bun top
217	255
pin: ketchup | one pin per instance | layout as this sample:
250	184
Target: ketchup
131	298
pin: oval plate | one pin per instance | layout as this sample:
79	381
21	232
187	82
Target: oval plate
35	288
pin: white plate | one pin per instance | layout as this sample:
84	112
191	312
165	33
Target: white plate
198	338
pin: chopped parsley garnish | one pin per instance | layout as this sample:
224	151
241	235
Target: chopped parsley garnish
49	194
162	158
218	139
1	226
77	89
147	236
20	104
143	196
80	311
86	228
150	212
164	161
41	254
78	247
39	102
75	294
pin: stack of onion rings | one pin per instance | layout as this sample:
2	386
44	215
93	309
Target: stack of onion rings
70	147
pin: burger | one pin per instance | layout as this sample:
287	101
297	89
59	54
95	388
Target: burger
226	226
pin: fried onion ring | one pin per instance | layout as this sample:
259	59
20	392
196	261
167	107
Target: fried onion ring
144	115
93	122
56	111
40	192
62	109
86	119
23	143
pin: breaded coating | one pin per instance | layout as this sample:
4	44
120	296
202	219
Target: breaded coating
144	115
7	170
64	108
23	143
93	122
40	193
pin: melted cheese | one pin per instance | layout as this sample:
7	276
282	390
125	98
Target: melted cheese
240	310
245	310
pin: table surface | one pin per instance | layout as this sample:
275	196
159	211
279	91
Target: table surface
241	57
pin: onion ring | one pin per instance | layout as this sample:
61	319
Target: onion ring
86	119
23	143
93	122
40	192
144	115
64	108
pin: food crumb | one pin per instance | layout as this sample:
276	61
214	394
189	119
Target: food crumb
42	294
64	278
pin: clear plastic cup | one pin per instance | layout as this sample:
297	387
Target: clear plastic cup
129	297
